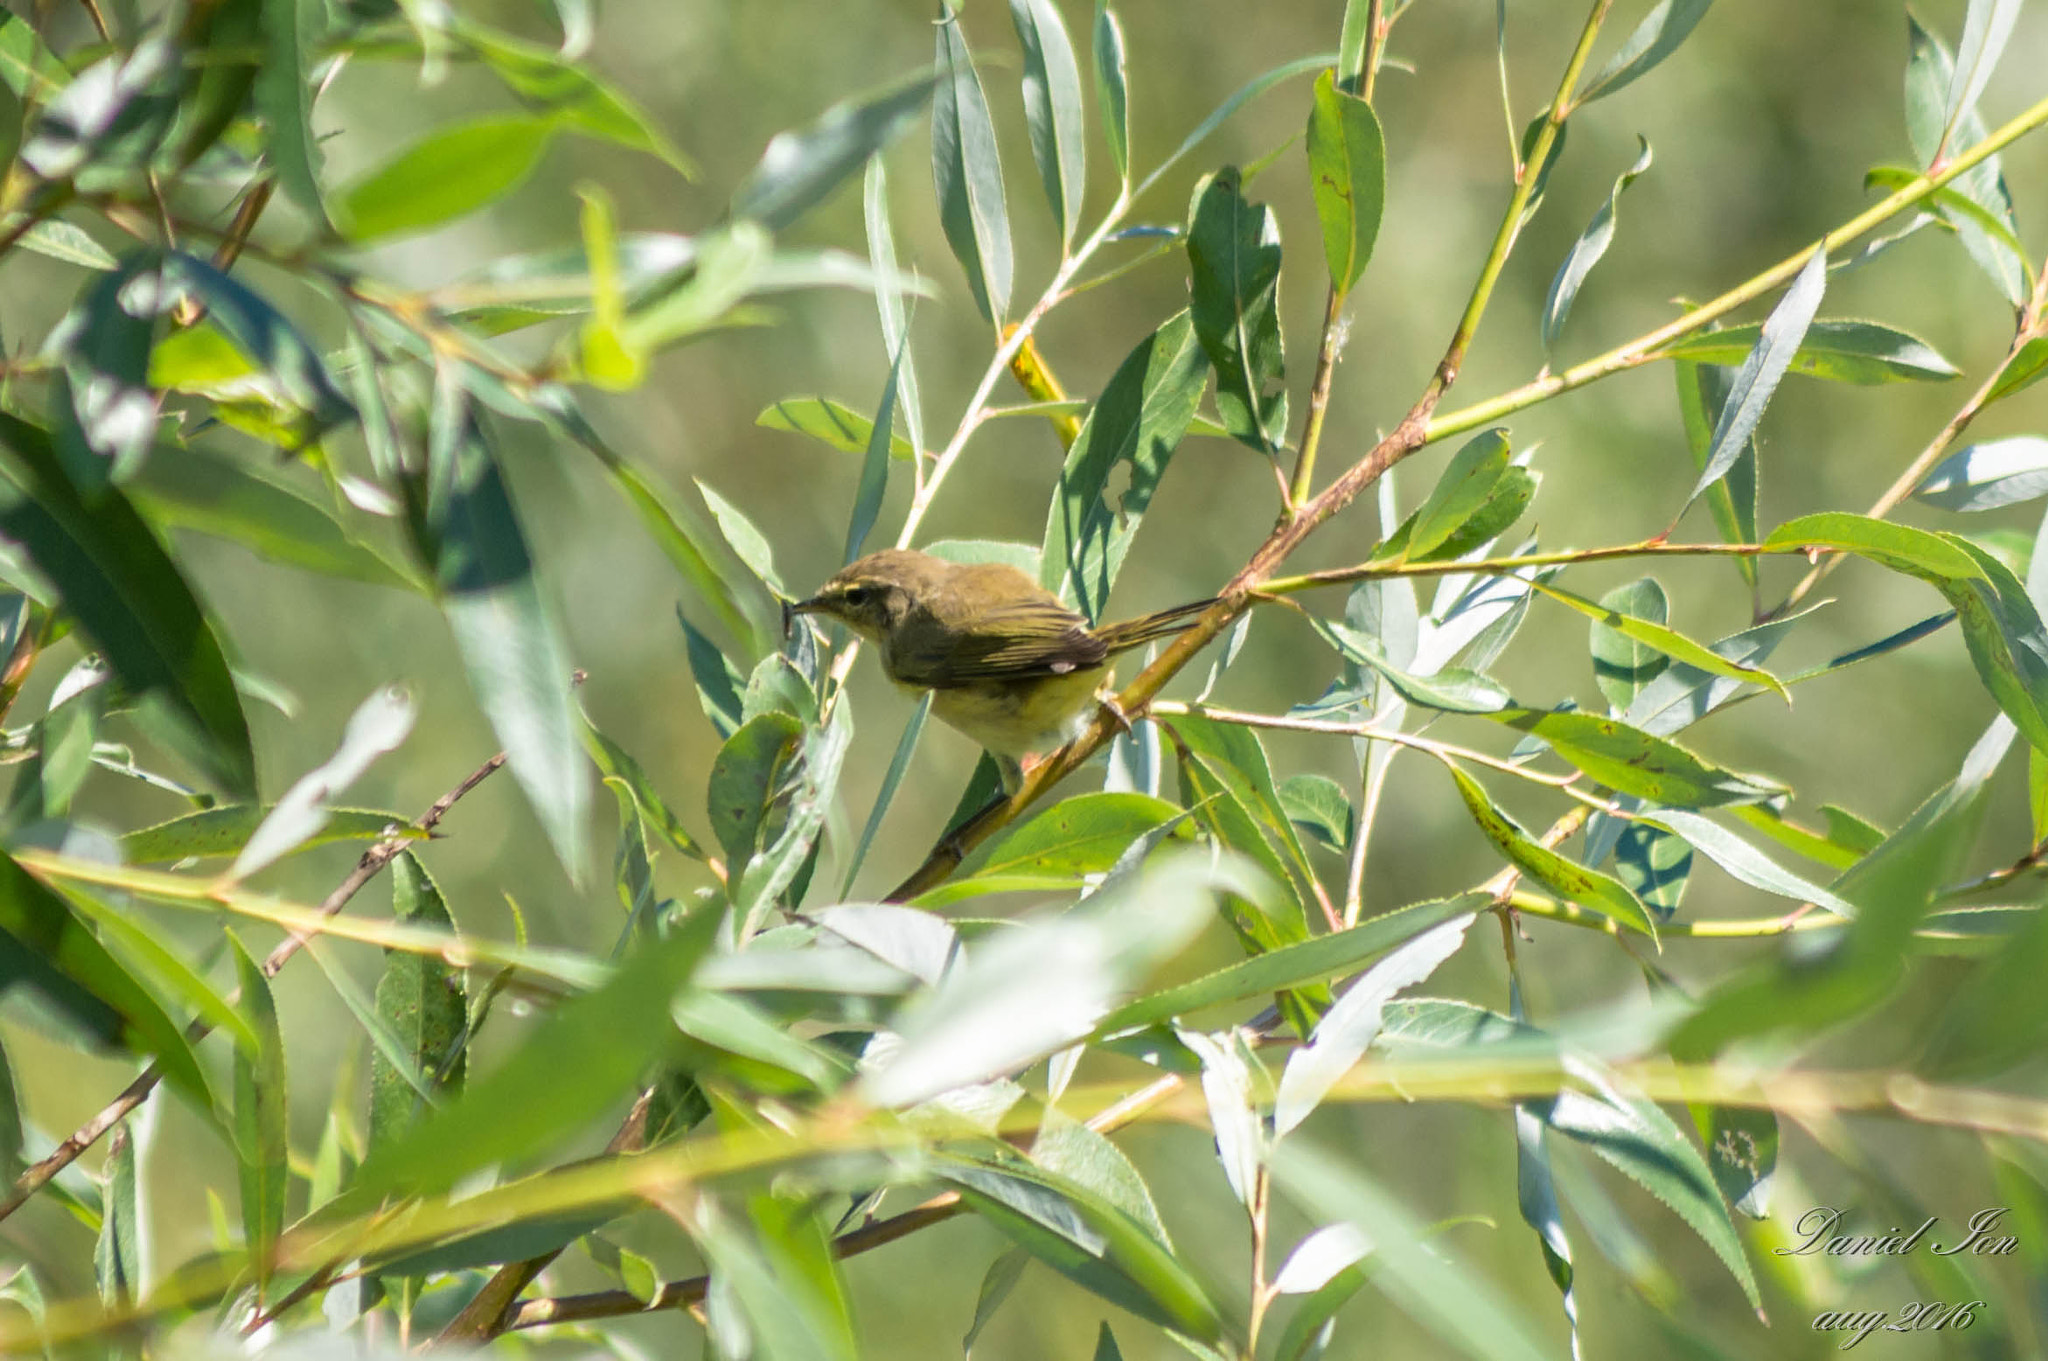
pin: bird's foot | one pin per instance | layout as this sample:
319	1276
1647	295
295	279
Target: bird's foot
1107	699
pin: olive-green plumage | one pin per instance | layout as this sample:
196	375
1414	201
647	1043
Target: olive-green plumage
1006	662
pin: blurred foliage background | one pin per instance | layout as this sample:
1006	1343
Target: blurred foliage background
1762	126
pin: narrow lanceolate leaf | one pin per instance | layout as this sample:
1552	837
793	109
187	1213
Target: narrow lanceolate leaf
1316	960
2000	472
1654	39
1112	89
510	643
422	1002
874	467
1052	110
1234	290
1341	1038
1987	25
261	1117
1139	419
224	830
1468	483
2000	624
1452	689
1702	396
450	173
1631	761
899	766
292	33
1566	878
1750	391
48	952
1743	861
117	1255
1669	641
1931	74
798	169
889	307
1347	163
127	593
1862	352
967	173
277	348
1586	251
105	413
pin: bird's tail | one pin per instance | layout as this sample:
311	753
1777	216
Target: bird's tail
1129	633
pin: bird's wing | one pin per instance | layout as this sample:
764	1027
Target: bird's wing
1014	640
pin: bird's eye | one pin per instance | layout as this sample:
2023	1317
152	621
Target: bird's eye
856	596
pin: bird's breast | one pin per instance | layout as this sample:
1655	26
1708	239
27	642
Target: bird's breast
1018	718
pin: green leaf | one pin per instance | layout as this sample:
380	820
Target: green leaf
1085	834
782	1284
1930	76
586	1054
2000	472
996	1285
1655	866
2021	370
1231	758
27	66
128	595
1654	39
1139	420
746	541
1589	888
46	949
11	1135
134	939
1587	250
1234	293
798	169
1086	1239
293	31
1347	165
1987	25
278	349
1112	89
1067	1148
967	174
831	422
1742	861
1951	203
59	240
750	770
889	290
1631	761
783	863
1105	1346
214	832
548	82
1702	397
874	468
1642	1142
1621	665
1669	641
1777	343
1467	484
224	498
892	780
1453	1301
2000	624
117	1255
614	764
1052	110
262	1121
1452	689
105	412
1860	352
1289	966
718	683
1742	1153
449	173
1319	806
423	1002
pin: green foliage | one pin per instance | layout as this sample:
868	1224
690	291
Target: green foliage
719	1061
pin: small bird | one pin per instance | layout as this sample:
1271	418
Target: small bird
1006	662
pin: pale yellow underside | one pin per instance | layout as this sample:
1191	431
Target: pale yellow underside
1019	718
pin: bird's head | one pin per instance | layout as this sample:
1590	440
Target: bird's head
873	595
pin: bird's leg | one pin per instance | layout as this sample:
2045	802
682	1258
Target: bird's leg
1106	697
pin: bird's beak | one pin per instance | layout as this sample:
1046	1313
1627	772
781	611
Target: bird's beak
792	608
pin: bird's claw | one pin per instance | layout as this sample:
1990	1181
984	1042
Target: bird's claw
1115	711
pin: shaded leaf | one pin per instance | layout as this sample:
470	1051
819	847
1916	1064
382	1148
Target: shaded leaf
1654	39
379	724
292	33
213	832
1112	89
1233	250
1861	352
831	422
1052	110
1586	252
1621	665
967	173
1777	343
2000	472
1588	888
1347	162
798	169
261	1118
1139	420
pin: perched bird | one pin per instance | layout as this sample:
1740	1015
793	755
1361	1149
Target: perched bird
1006	662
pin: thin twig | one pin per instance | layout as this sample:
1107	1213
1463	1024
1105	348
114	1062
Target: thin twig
373	860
